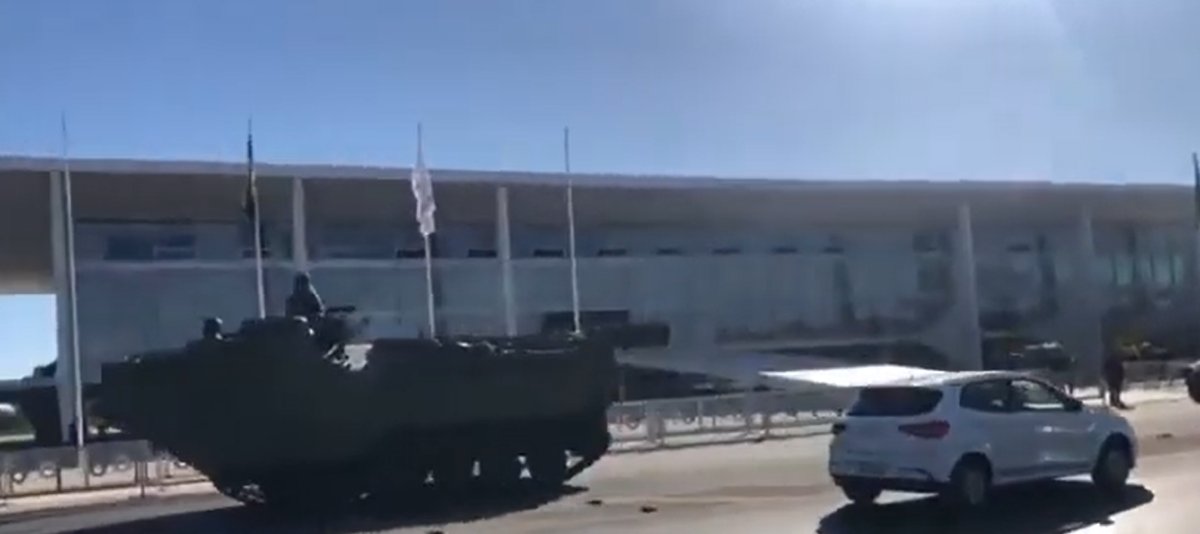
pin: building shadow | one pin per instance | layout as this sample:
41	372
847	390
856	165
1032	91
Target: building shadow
1057	507
427	510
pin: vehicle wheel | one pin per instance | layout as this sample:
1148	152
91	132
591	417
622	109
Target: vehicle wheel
547	467
1193	385
393	477
861	494
453	474
1112	468
499	471
970	484
239	490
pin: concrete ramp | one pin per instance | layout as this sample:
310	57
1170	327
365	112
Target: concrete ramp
784	372
849	377
740	367
745	368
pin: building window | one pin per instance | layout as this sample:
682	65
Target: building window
727	251
246	234
611	252
668	252
1162	270
787	249
410	253
176	247
128	248
834	246
248	252
1123	267
145	248
548	253
481	253
933	276
931	242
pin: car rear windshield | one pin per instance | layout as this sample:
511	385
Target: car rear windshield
896	401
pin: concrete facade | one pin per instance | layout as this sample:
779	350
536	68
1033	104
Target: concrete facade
160	245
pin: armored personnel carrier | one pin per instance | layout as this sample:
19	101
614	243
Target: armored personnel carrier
285	413
35	398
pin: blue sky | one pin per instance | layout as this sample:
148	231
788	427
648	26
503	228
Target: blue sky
942	89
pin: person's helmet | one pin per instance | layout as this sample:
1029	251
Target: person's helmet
301	281
212	327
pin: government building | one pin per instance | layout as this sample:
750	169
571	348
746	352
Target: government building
732	266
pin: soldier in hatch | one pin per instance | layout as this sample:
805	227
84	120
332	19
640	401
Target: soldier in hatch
304	301
212	329
210	335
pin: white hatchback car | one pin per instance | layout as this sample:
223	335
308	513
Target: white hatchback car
959	434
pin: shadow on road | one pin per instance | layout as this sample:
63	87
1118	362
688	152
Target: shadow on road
1047	508
426	511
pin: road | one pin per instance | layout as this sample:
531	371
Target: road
773	486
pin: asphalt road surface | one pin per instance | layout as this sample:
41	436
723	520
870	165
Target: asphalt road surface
775	486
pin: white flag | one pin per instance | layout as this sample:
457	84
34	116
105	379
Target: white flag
422	186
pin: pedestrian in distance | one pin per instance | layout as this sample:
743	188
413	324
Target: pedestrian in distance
1114	377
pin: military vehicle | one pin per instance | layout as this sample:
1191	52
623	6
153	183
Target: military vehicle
35	399
286	413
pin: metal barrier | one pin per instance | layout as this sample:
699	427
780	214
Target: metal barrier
638	425
1138	375
654	423
1156	374
110	465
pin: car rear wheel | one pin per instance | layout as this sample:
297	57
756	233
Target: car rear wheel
1192	380
861	494
1112	467
970	484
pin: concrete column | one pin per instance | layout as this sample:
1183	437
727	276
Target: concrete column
504	252
64	376
299	227
967	291
1089	333
1192	269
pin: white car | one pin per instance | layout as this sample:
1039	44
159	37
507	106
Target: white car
960	434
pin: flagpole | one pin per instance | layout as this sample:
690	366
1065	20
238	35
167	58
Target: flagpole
429	289
429	301
72	301
571	230
1196	232
258	256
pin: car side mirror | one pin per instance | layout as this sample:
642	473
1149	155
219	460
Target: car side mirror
1074	405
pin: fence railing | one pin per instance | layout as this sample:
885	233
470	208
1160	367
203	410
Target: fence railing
109	465
643	424
638	425
1156	373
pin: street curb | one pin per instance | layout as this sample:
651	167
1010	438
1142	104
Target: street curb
4	500
98	503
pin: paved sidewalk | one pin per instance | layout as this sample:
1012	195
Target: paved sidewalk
24	506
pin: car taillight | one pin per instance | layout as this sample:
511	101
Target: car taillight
837	428
927	430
